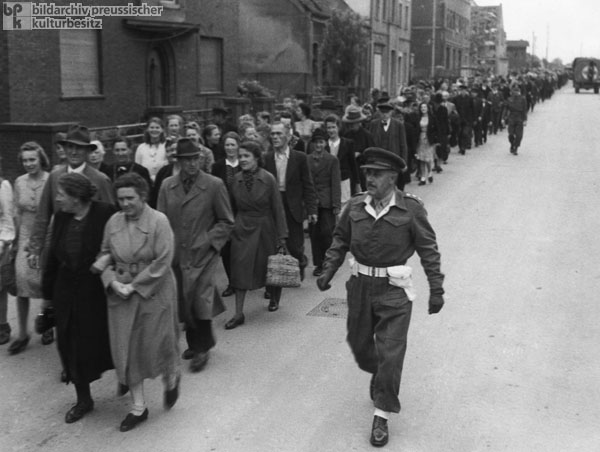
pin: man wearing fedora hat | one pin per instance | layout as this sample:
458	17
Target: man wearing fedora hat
354	120
382	229
77	146
389	134
197	206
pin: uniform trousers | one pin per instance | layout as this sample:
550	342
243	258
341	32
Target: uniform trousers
515	133
295	239
378	320
321	235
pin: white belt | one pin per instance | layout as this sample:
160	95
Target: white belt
378	272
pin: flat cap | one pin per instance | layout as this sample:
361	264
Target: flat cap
377	158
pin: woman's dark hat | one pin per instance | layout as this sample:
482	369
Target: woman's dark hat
377	158
353	114
319	134
80	136
186	148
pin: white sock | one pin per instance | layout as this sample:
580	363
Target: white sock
137	410
381	413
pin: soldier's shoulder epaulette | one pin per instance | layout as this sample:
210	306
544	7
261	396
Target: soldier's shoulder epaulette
414	198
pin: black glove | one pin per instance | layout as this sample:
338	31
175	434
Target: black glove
323	281
436	302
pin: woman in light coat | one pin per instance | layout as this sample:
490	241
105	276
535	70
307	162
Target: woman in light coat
136	256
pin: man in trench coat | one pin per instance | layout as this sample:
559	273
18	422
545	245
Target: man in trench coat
197	206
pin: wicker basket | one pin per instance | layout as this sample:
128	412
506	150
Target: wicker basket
283	271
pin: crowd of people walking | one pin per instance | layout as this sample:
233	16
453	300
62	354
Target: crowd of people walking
141	240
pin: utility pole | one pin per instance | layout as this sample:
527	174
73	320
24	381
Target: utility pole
433	27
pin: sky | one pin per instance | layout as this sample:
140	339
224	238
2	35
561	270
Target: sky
573	26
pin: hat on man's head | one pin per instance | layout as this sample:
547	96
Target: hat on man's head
384	104
377	158
353	115
80	136
384	96
186	148
220	111
319	134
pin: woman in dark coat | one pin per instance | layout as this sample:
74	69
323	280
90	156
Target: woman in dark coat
259	229
77	294
226	169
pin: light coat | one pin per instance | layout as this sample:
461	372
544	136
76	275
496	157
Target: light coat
202	221
143	329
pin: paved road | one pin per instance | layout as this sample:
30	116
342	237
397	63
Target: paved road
510	364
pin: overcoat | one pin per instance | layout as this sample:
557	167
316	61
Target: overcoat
326	177
78	297
259	222
143	329
394	140
202	221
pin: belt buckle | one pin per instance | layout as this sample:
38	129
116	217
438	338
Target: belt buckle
372	272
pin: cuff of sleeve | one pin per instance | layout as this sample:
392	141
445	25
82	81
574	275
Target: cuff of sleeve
436	291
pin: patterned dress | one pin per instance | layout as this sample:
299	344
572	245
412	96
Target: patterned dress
28	192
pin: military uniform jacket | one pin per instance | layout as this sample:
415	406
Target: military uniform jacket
516	109
388	241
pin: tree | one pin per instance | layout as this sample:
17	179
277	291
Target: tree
345	44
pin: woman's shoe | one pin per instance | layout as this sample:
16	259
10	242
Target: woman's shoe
235	321
171	395
18	345
4	333
48	337
430	179
228	292
187	354
422	182
131	421
78	410
273	306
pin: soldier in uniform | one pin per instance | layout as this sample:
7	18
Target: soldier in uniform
382	228
516	117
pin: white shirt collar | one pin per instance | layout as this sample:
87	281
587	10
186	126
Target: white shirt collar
286	153
79	169
233	165
371	211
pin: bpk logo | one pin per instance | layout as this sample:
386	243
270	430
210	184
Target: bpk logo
16	16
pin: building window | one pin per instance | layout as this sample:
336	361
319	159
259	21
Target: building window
80	63
377	9
399	14
406	17
211	65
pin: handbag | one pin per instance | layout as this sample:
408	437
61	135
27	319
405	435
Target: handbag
8	276
283	270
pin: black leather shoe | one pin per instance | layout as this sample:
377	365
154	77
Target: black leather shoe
318	271
78	410
228	292
48	337
234	322
273	306
198	362
422	182
188	354
379	432
171	395
430	179
131	421
18	345
4	333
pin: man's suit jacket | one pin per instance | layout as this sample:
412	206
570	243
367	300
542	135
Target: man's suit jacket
47	207
300	194
348	165
394	140
326	176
